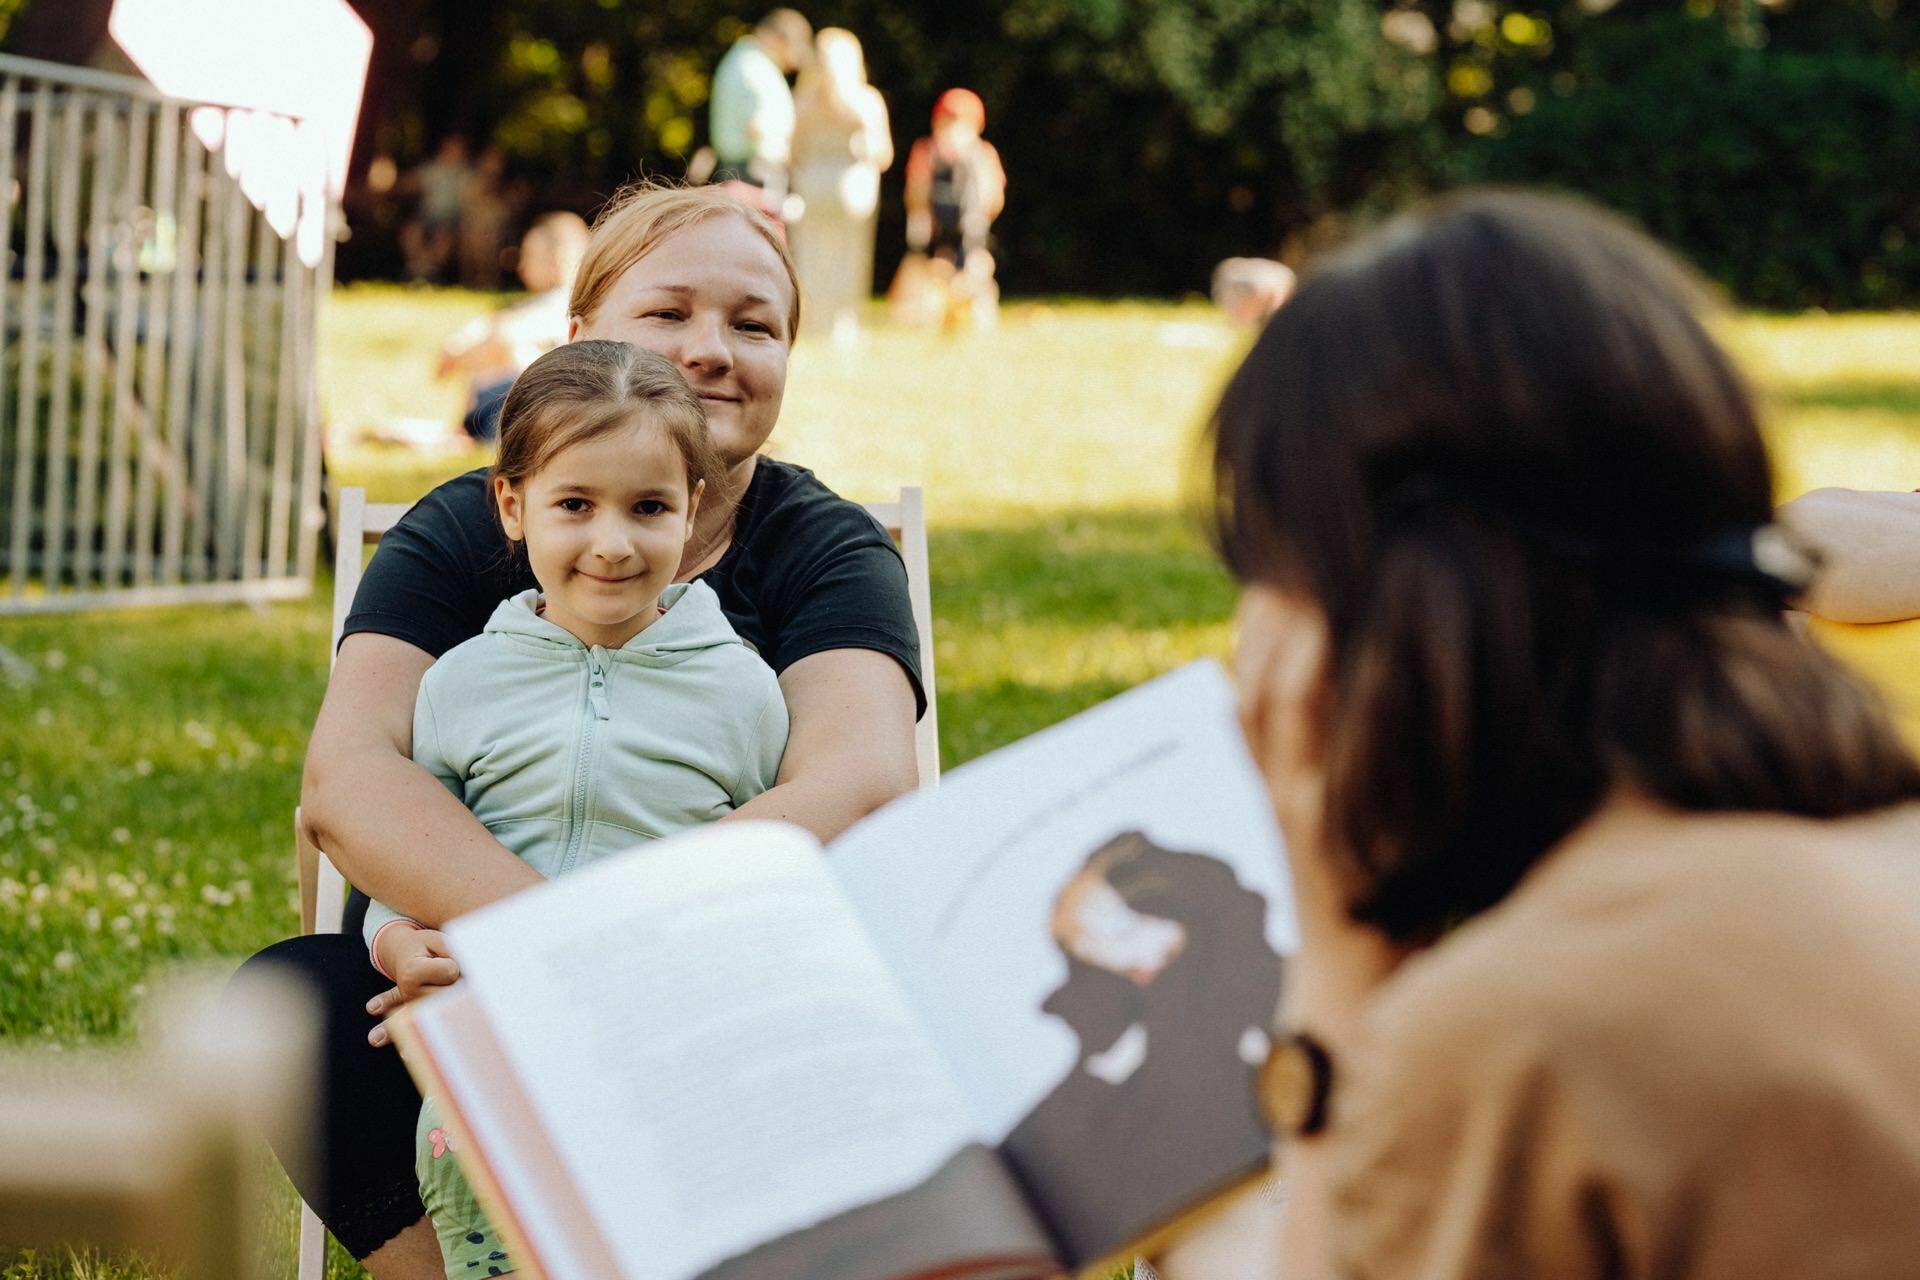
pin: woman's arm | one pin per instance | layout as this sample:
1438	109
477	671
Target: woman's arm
850	747
1870	544
390	826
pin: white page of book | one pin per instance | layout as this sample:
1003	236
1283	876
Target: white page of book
712	1043
442	1024
958	884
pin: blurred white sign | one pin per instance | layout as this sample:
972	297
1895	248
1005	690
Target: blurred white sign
263	61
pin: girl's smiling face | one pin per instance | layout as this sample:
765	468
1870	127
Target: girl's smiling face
714	299
605	522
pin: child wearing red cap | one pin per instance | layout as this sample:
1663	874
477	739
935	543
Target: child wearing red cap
955	186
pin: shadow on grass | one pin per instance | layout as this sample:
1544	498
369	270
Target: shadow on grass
1902	398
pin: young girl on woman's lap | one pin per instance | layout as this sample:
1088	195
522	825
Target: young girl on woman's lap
608	707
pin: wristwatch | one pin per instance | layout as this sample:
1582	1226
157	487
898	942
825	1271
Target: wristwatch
1294	1085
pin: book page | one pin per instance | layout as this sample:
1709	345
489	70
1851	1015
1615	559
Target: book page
712	1046
453	1054
1091	922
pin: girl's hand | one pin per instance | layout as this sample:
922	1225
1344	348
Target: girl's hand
419	961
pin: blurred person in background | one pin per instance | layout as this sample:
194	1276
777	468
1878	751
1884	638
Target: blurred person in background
1608	902
955	189
486	210
429	239
751	109
491	350
841	146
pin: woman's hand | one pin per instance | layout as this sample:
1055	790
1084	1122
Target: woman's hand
419	961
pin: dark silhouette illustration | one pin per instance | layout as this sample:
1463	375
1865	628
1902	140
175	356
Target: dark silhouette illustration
1171	986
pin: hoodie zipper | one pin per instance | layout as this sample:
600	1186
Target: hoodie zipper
602	709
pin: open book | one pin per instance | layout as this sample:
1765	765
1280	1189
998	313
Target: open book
1006	1027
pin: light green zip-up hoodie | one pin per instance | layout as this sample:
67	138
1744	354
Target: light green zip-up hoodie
567	753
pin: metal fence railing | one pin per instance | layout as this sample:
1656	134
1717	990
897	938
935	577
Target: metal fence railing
159	429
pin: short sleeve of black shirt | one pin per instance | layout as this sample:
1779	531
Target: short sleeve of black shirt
807	571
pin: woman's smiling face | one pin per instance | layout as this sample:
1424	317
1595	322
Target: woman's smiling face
713	298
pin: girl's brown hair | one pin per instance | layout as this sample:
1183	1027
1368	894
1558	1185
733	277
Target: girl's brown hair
641	215
1497	446
584	390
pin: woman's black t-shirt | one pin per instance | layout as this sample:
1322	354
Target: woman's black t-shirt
807	571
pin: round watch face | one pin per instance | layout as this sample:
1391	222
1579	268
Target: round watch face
1293	1085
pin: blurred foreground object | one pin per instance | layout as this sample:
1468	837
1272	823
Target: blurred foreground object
1251	289
1865	599
157	1151
1869	545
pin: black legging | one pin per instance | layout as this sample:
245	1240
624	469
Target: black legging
361	1180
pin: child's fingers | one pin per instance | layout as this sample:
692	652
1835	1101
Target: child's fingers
386	1002
431	971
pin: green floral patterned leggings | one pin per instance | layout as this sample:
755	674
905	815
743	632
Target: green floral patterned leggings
468	1241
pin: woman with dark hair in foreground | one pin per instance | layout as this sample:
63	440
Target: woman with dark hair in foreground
1609	885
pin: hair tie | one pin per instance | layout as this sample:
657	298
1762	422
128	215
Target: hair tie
1766	555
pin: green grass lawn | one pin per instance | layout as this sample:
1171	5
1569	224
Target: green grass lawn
147	783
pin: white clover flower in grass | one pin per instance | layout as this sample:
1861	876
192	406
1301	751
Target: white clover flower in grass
64	961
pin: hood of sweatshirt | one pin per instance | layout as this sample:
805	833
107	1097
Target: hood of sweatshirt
693	623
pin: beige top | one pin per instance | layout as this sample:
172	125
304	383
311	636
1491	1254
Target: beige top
1681	1048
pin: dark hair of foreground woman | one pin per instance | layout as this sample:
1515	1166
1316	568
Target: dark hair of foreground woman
1497	445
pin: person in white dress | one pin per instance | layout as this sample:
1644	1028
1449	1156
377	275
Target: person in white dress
841	146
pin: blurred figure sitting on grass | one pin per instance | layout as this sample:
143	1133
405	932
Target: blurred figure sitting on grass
491	350
955	189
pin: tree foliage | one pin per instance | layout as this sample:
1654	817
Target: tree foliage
1146	139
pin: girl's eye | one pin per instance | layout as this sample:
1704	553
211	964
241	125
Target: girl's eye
663	313
756	326
650	507
574	505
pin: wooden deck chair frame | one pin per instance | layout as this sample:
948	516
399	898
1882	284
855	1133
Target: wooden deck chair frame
362	524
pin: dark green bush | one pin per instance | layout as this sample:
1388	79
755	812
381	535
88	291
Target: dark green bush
1793	177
